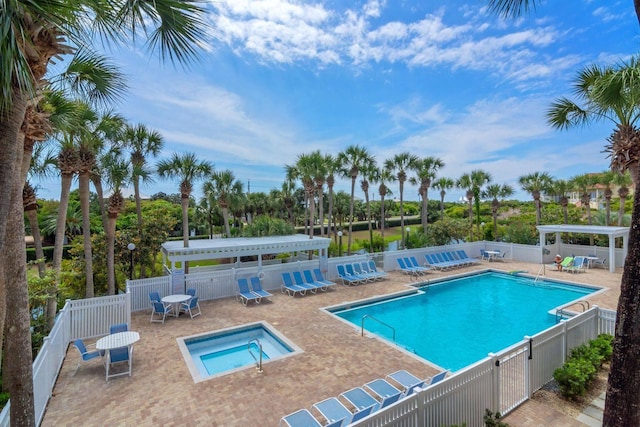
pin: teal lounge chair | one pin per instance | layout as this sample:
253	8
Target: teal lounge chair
289	287
299	280
360	399
384	390
256	287
244	294
406	380
308	277
346	278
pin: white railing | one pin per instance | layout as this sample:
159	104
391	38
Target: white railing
499	382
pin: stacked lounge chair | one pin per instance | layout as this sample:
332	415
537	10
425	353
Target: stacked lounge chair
289	287
348	279
449	259
406	269
245	295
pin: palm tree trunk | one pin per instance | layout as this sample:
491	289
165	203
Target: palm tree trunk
312	208
402	214
61	220
624	377
442	194
32	216
331	224
225	218
366	198
17	370
97	183
537	203
110	233
321	211
382	220
184	201
83	184
353	193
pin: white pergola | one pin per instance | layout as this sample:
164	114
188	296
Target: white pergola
612	232
173	252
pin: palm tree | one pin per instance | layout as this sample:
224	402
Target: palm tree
187	168
352	160
117	172
332	167
465	183
584	183
606	178
425	170
535	184
384	176
399	165
472	183
224	188
370	173
560	188
443	184
496	192
611	95
622	180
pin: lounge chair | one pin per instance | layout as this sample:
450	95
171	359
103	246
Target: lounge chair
463	255
289	287
405	268
385	391
566	263
360	399
85	355
317	274
444	262
352	272
347	279
433	262
244	293
413	262
437	377
381	274
299	280
301	418
406	380
256	287
161	310
359	271
332	410
190	307
308	277
578	265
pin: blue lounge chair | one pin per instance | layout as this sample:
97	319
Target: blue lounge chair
360	399
385	391
301	418
346	278
405	268
308	277
332	410
380	274
85	355
190	307
406	380
437	377
413	262
299	280
446	263
358	271
317	274
289	287
463	255
352	272
256	287
244	294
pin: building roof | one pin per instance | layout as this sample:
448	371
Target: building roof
586	229
241	246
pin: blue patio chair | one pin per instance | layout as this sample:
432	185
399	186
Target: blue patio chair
360	399
191	292
350	269
244	294
405	268
118	356
406	380
371	267
301	418
161	310
346	278
413	262
298	280
119	327
384	390
437	377
256	287
320	278
289	287
332	410
154	297
190	307
308	277
85	355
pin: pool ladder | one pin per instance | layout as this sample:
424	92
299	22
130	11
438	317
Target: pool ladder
258	359
379	321
561	313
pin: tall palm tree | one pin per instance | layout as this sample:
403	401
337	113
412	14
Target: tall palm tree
399	165
560	188
443	184
384	176
34	33
352	160
584	184
622	180
224	188
370	173
472	183
606	178
496	192
117	172
465	183
612	95
187	168
332	167
535	184
425	170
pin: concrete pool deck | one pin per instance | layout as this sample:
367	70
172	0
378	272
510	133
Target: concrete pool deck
335	359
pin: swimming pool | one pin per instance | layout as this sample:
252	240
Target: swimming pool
228	350
456	322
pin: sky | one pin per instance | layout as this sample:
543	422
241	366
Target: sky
281	78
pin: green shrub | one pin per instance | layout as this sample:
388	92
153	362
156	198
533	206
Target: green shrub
493	420
574	376
589	354
603	345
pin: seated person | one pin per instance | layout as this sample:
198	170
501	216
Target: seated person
558	262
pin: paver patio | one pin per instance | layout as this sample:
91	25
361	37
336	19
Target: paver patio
336	358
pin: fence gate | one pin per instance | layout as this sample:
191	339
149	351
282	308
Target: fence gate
513	378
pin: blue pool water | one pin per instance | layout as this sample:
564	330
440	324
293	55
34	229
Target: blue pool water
224	351
457	322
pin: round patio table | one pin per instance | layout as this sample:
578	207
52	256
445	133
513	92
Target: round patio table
175	300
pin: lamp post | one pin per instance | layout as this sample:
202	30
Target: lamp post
406	237
482	228
340	243
131	247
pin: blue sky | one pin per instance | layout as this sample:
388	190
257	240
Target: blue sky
280	78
